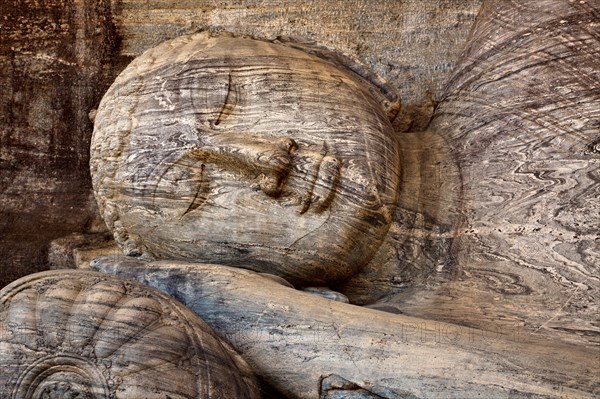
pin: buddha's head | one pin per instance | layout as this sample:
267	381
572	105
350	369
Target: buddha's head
245	153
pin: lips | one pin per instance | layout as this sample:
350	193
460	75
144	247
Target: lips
323	186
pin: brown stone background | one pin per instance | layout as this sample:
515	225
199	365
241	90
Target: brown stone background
57	57
526	262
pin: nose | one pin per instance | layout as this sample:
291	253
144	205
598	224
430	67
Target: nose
266	163
311	175
276	166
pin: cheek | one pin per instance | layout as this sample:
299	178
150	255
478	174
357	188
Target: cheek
238	214
369	176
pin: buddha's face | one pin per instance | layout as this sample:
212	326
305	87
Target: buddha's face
245	153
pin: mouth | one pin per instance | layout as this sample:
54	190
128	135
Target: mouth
323	185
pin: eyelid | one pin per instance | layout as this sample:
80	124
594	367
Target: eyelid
230	102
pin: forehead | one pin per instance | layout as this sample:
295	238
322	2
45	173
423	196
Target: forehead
248	86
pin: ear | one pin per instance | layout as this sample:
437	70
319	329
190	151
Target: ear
385	94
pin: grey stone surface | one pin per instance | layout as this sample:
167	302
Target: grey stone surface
84	334
295	340
413	44
521	119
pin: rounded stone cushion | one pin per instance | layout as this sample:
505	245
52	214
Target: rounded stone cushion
89	335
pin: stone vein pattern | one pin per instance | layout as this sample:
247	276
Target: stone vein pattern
414	44
248	153
316	340
522	116
57	58
67	334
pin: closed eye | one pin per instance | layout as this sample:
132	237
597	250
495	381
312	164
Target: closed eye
231	99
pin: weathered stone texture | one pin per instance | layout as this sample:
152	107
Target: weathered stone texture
58	57
414	44
297	341
521	119
54	58
244	152
72	333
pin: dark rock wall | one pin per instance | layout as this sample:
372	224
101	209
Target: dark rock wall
55	63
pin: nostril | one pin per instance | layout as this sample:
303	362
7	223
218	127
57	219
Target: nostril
272	163
292	145
271	185
288	145
331	163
